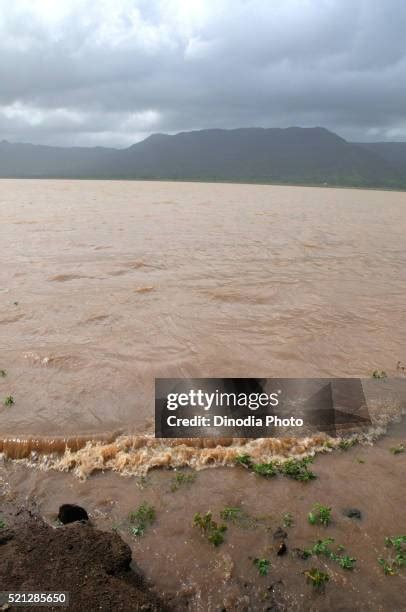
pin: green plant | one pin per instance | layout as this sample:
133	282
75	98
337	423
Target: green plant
287	519
268	470
180	479
322	547
231	513
400	448
346	443
2	524
320	515
263	566
388	566
3	373
141	519
346	562
317	578
210	529
298	469
379	374
244	460
9	400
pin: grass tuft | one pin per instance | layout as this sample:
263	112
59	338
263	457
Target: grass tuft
210	529
9	400
320	515
141	518
263	566
317	578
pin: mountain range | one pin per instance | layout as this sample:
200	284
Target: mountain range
313	156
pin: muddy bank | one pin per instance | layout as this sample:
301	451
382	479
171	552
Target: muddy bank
93	566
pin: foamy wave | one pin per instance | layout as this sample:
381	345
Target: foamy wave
137	455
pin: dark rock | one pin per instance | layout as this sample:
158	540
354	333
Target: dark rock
70	513
280	534
282	549
352	513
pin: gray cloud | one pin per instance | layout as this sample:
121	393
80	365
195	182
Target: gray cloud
113	71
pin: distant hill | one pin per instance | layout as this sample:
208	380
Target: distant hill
393	152
292	155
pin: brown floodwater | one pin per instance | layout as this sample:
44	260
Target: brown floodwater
106	285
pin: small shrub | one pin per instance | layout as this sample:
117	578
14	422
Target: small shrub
2	524
3	373
141	519
379	374
210	529
317	578
9	400
263	566
320	515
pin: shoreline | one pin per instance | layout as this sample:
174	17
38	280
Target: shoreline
226	575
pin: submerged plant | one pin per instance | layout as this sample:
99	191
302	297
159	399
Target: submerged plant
141	519
244	460
320	515
180	479
397	450
379	374
346	443
317	578
9	400
263	566
287	519
298	469
390	566
210	529
268	470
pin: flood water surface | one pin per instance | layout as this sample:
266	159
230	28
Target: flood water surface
107	285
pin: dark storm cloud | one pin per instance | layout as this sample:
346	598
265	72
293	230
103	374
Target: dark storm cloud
113	71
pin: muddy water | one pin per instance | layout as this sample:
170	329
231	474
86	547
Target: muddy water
106	285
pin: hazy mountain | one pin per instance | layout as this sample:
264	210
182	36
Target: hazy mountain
293	155
393	152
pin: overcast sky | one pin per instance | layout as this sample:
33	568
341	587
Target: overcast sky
111	72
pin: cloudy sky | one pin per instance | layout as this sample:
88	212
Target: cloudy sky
110	72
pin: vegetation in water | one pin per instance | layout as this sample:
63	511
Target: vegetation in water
263	566
320	515
393	564
287	520
141	518
244	460
209	528
379	374
323	547
181	479
346	443
268	470
298	469
317	578
397	450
